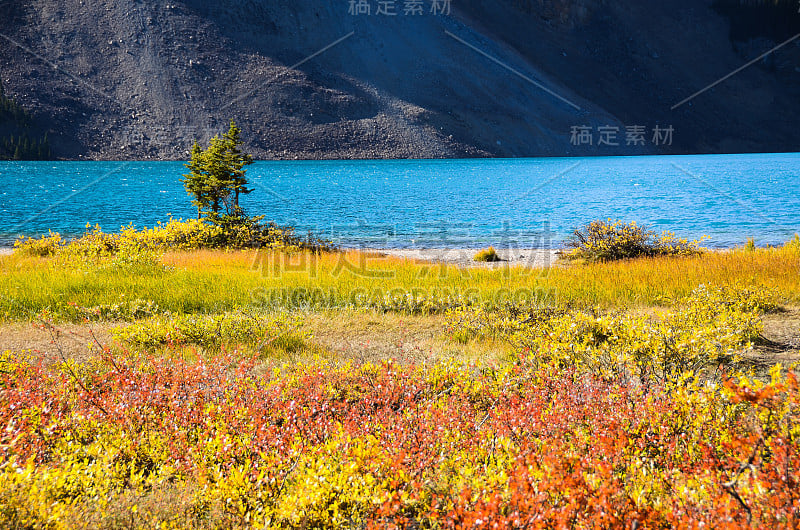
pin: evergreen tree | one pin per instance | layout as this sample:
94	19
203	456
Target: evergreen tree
235	160
216	175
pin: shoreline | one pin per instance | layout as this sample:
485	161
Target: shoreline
462	257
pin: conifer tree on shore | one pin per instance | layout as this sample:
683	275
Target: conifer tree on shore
216	175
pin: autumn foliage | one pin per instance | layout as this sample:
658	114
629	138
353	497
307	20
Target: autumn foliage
594	415
134	440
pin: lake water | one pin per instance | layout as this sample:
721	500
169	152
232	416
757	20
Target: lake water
431	203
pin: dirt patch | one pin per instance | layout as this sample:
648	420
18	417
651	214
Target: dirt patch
374	337
784	328
74	341
780	341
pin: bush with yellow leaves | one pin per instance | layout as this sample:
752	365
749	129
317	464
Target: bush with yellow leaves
193	234
710	327
216	331
613	240
137	441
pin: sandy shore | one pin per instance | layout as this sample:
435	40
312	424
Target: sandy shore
454	256
463	257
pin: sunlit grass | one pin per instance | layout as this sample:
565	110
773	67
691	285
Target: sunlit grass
345	406
213	281
659	281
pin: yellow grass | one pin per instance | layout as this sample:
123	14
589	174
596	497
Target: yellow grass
213	281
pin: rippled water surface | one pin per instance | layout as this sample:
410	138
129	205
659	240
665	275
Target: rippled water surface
431	203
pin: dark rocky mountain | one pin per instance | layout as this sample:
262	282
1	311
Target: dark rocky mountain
140	79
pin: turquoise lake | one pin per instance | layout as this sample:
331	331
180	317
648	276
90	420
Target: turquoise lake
431	203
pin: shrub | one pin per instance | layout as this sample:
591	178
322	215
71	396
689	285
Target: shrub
122	311
223	232
131	257
415	305
488	255
215	331
710	327
126	310
44	246
93	243
192	234
607	240
146	442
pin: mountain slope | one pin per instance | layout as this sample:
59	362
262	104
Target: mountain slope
142	79
19	139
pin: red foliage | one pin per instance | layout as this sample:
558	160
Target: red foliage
576	442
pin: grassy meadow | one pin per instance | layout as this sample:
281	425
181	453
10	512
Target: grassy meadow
291	388
207	281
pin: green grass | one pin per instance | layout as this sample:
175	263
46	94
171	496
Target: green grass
216	281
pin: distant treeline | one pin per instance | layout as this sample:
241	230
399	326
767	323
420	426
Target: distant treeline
18	139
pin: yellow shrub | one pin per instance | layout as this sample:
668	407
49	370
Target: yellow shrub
711	326
215	331
607	240
176	234
489	255
44	246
